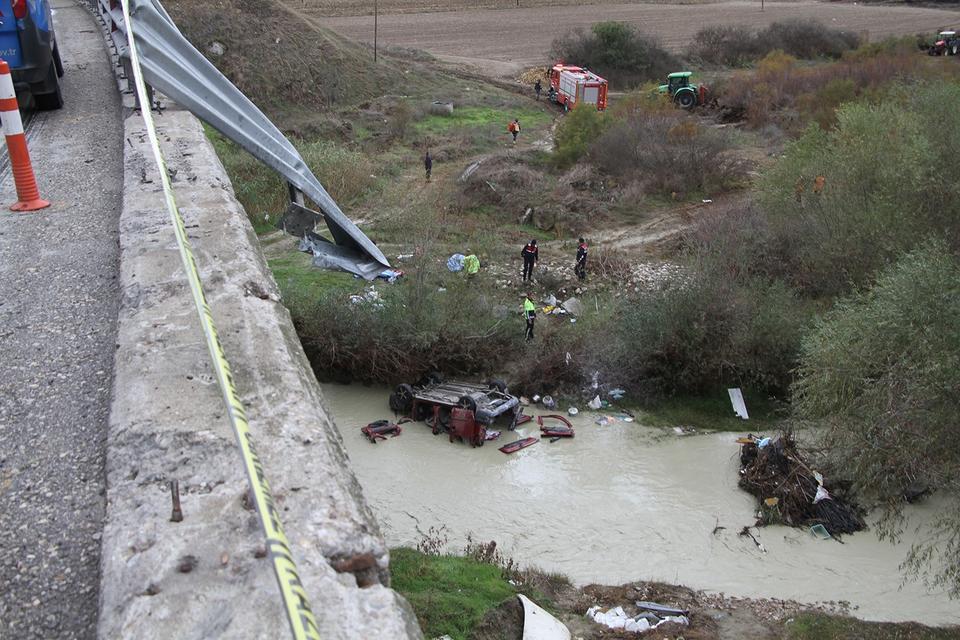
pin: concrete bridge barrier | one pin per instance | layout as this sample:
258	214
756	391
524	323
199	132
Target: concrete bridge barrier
207	576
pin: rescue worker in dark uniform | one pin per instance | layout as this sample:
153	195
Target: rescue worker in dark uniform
530	255
580	268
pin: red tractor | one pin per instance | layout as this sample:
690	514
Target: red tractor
571	86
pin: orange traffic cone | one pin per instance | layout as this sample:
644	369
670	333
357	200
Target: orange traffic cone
28	195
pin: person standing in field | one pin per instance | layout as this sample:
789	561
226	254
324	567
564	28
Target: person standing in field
580	268
428	164
531	255
514	129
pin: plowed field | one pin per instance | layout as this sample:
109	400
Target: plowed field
505	40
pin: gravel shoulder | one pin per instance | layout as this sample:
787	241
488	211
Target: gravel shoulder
58	314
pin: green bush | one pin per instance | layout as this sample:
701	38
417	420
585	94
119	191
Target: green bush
703	332
667	153
412	328
575	133
882	372
617	51
888	180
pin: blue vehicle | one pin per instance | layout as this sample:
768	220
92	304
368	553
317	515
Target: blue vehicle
29	46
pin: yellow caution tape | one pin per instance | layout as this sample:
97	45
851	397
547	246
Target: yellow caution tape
302	623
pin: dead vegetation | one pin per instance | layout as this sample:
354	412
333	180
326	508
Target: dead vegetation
790	492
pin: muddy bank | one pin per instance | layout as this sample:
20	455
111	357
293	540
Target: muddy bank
619	503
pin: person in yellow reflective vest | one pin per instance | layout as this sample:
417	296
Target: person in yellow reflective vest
530	314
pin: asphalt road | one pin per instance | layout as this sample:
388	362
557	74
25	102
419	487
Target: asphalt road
58	314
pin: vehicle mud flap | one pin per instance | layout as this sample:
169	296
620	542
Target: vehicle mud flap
46	94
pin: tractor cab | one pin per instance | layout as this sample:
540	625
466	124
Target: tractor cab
676	81
686	94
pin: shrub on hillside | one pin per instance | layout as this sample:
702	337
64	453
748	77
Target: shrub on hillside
886	179
617	51
576	131
668	153
792	95
881	371
705	331
413	328
737	45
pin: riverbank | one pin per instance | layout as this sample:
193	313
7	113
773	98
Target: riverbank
474	598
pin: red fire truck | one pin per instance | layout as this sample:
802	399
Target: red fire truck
571	86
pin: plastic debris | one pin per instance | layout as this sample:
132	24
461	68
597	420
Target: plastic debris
549	402
572	411
739	406
595	403
819	531
535	398
616	394
455	262
618	619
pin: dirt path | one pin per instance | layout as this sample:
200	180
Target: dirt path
503	41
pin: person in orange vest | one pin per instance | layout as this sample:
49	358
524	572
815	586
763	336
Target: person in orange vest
531	255
580	268
514	128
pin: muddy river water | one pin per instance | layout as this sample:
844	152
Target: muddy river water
617	503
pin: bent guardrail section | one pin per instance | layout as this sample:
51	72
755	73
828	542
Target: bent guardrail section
172	65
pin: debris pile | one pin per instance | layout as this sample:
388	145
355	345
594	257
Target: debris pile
651	616
790	492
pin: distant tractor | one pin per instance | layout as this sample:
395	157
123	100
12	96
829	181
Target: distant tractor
682	92
571	86
947	44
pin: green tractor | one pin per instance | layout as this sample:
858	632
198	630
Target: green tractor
682	92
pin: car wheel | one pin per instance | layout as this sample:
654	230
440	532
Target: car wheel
51	100
499	385
401	400
58	63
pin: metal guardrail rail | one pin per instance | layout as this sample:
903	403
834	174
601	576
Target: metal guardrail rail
173	66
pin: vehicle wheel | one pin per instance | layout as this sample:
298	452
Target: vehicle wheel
468	403
401	400
53	99
686	100
58	63
499	385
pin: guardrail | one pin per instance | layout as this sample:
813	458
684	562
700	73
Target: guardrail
173	66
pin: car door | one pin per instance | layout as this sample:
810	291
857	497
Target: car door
10	49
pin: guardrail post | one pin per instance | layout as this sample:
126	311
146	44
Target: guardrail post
28	195
296	196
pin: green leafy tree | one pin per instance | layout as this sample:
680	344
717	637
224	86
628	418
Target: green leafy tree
882	372
576	132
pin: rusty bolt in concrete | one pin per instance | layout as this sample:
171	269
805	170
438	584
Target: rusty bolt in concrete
177	515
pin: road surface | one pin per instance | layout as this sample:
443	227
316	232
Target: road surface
58	314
